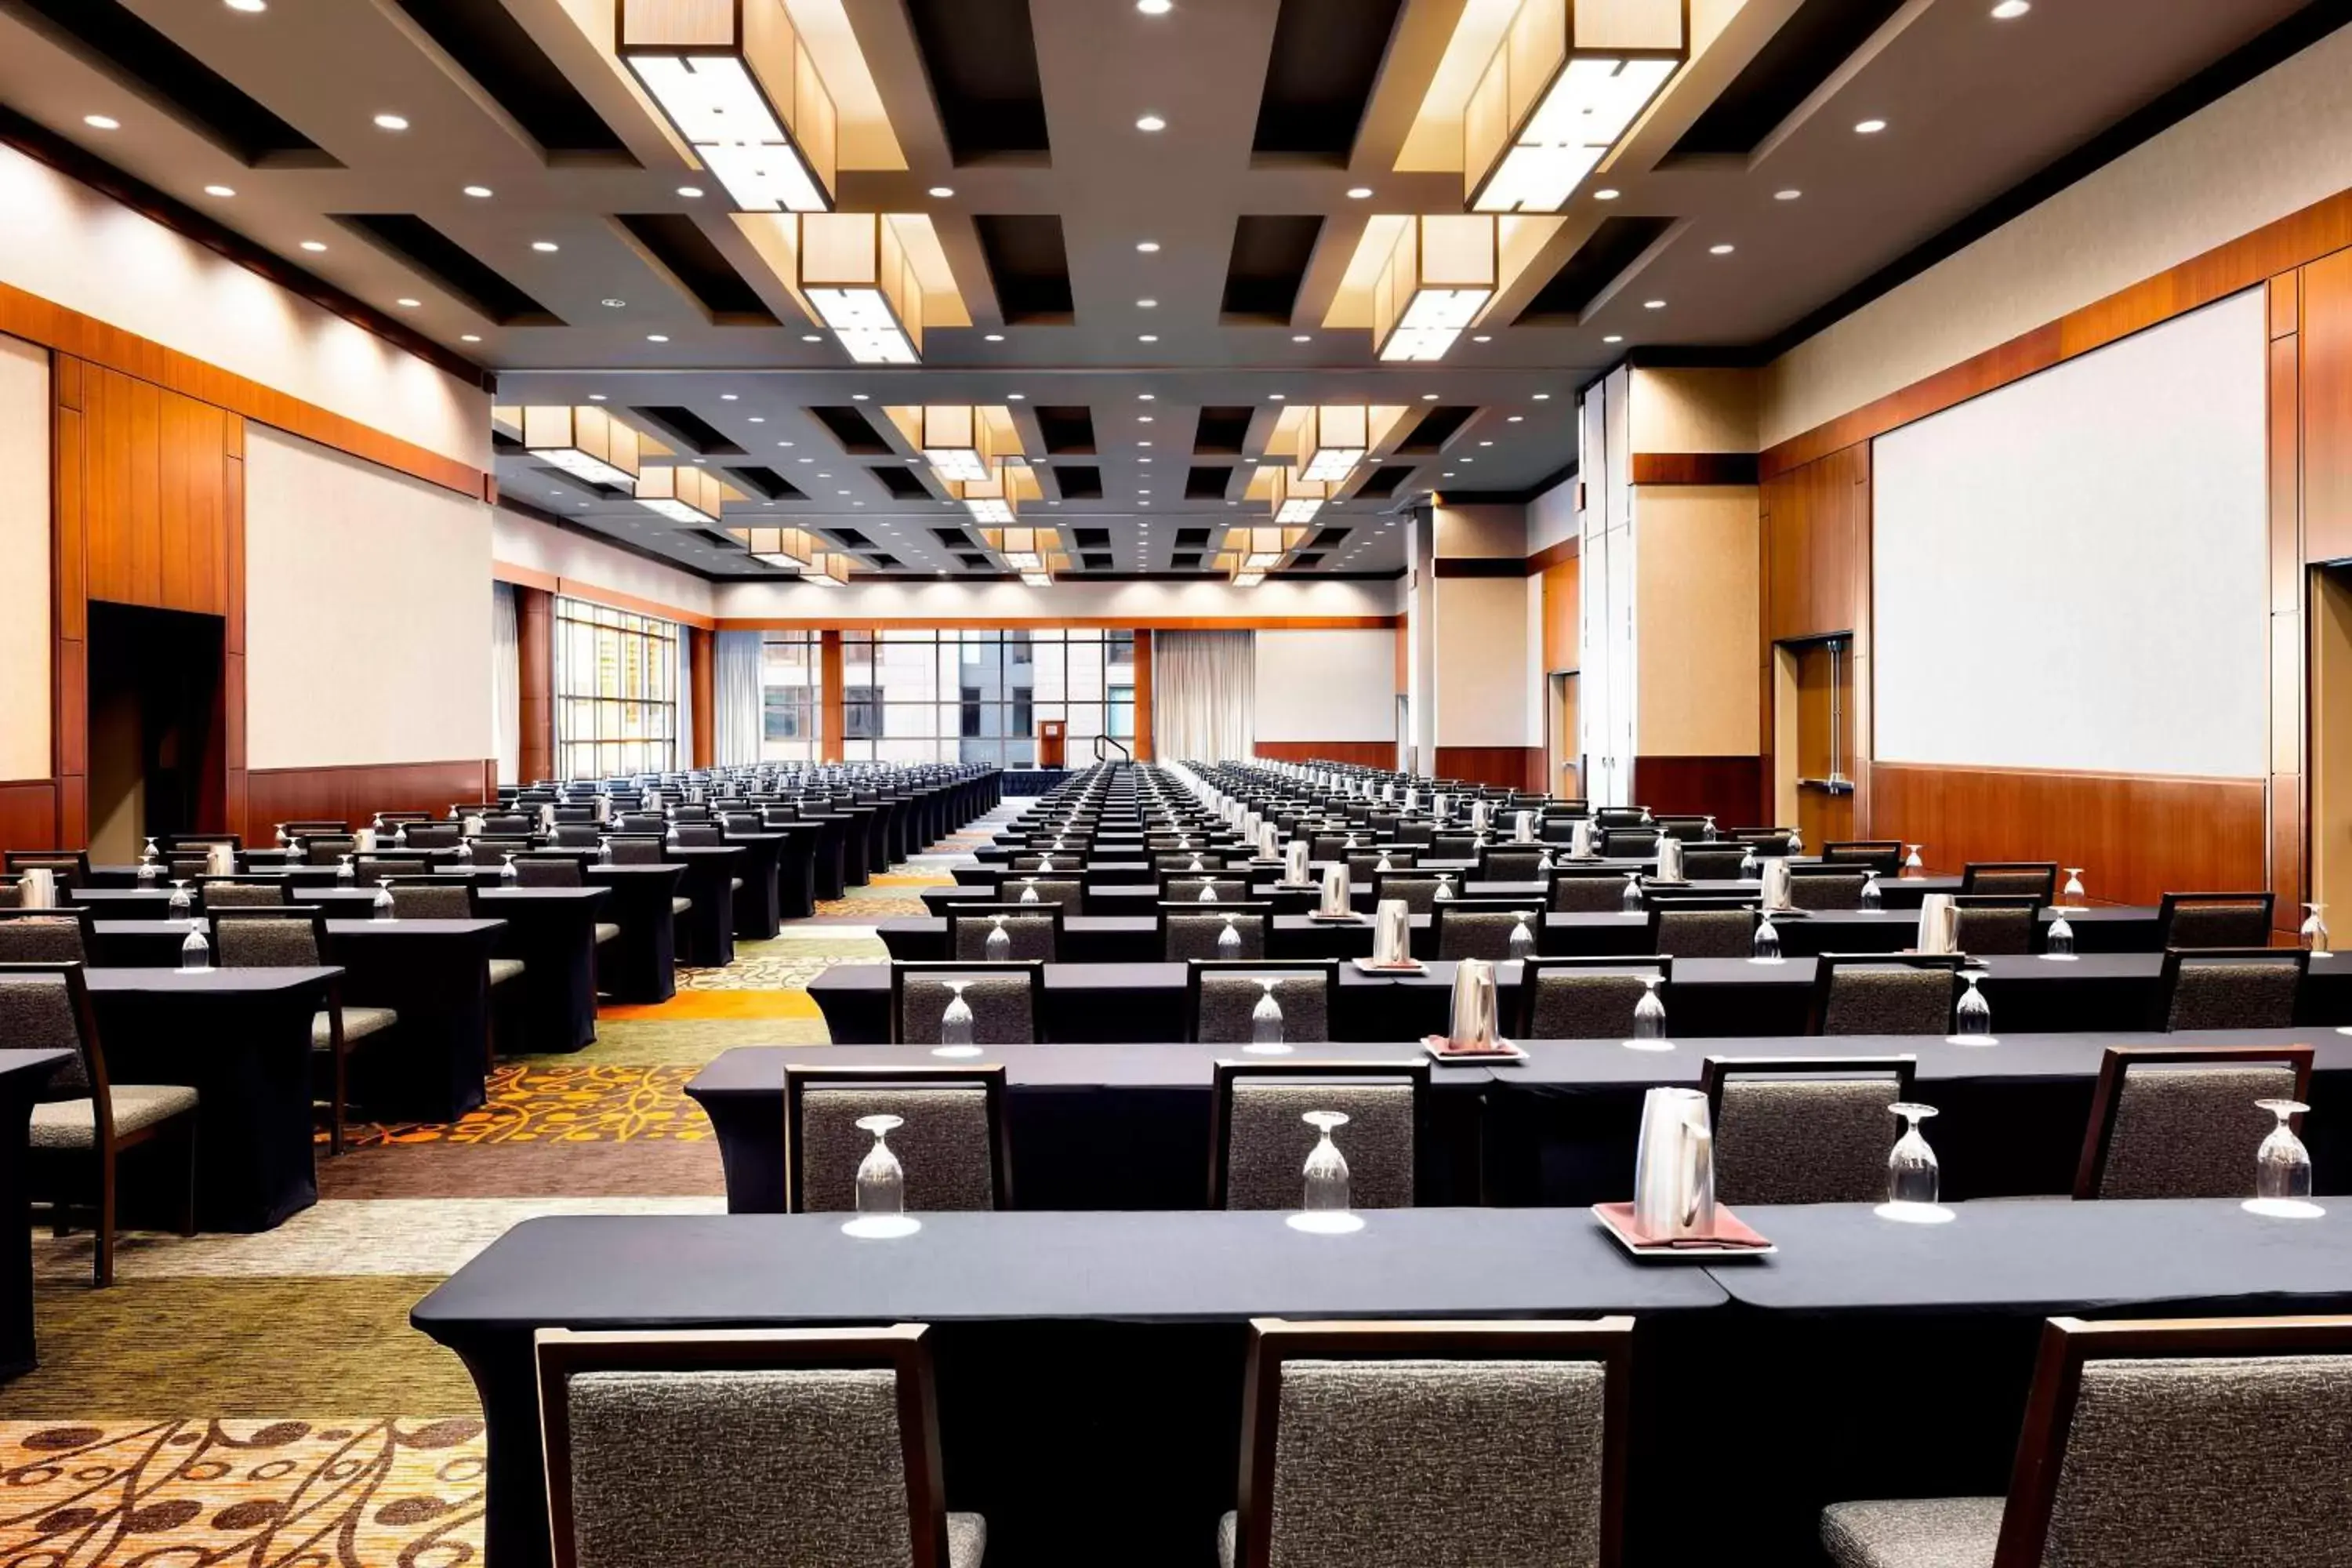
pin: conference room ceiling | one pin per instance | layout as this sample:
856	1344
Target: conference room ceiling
585	273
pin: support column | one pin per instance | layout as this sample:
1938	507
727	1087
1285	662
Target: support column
535	680
1142	695
701	652
834	727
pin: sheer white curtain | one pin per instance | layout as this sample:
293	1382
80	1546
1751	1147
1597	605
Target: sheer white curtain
506	684
735	700
1203	695
684	693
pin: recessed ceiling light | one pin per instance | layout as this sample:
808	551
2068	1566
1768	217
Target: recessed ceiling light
758	419
1143	443
943	191
1429	397
1515	419
823	475
469	337
1607	194
480	193
1790	194
996	337
1869	127
1447	475
615	304
1147	304
219	191
312	244
1543	397
689	192
545	246
1147	337
812	337
1155	7
1484	338
1302	337
2010	10
858	397
102	122
655	338
808	459
1143	419
391	122
250	7
1147	397
595	398
1653	304
1485	443
408	304
1720	249
1016	397
1279	396
1360	193
1150	123
841	493
1614	338
1147	245
728	397
1143	459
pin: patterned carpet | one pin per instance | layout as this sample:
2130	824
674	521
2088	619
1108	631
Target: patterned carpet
261	1400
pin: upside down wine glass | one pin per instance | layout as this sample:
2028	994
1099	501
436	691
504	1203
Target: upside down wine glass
1650	1019
381	905
997	948
1265	1022
1914	1180
955	1023
1229	941
1767	943
2283	1168
2073	891
1972	1015
1324	1207
1523	940
181	908
1873	896
881	1185
1631	903
2059	943
1912	865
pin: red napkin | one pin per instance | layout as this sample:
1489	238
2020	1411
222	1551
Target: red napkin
1443	1046
1729	1230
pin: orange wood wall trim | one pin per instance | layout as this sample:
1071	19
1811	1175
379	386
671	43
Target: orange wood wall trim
68	331
1564	616
1694	469
1354	753
2292	241
1517	767
524	576
573	588
1108	623
29	814
1553	556
350	791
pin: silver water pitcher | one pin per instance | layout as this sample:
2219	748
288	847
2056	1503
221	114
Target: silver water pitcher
1939	925
1579	838
1670	859
1473	1021
1337	896
1294	862
1391	932
1674	1167
1523	828
1776	884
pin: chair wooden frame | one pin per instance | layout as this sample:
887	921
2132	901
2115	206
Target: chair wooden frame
338	1049
1221	1109
2107	1097
1532	972
902	967
1196	969
2171	904
1973	868
1714	1070
2068	1343
1884	856
961	911
1826	965
1261	910
76	862
1274	1342
2169	978
990	1076
560	1354
106	1142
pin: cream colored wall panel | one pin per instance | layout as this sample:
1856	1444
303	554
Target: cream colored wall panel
2277	144
367	623
1482	663
1552	517
25	407
1696	617
1693	410
66	243
1484	530
524	542
1327	685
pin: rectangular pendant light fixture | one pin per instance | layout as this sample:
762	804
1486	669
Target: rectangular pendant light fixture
1294	501
1332	439
1442	273
858	275
790	548
688	496
586	442
1251	553
737	86
957	443
991	500
1031	552
1566	84
829	569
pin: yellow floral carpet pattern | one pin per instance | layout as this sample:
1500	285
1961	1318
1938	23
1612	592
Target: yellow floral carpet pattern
328	1494
535	1102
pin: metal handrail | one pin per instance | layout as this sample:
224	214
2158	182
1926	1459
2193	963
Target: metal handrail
1125	754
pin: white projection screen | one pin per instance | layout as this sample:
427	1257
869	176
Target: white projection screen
2071	572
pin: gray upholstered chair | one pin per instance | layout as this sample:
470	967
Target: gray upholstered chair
1328	845
2213	920
1690	930
582	835
1418	888
1353	1433
2201	1441
434	835
506	825
242	895
1422	833
638	850
1186	889
548	871
1884	856
1628	842
1588	998
328	849
697	835
1578	893
2035	880
2179	1121
433	902
2229	988
1034	931
952	1144
47	936
1220	996
1884	993
1482	930
1363	865
45	1006
1713	862
295	937
1837	889
1803	1129
370	868
1513	863
1689	826
1258	1156
1994	923
1070	892
1007	1001
1192	931
1450	846
1766	841
658	1443
12	895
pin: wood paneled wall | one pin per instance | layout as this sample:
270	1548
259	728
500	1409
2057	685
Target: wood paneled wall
1359	754
1727	788
535	668
1514	767
350	793
29	814
1563	615
148	509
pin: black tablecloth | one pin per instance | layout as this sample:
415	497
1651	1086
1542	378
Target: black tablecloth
639	965
24	1075
1090	1365
553	931
241	1039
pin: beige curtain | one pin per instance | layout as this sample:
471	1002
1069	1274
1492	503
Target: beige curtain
1204	696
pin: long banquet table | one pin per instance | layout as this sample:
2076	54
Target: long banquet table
1709	998
1090	1365
1127	1126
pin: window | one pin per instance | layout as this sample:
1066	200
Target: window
615	692
922	695
790	709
